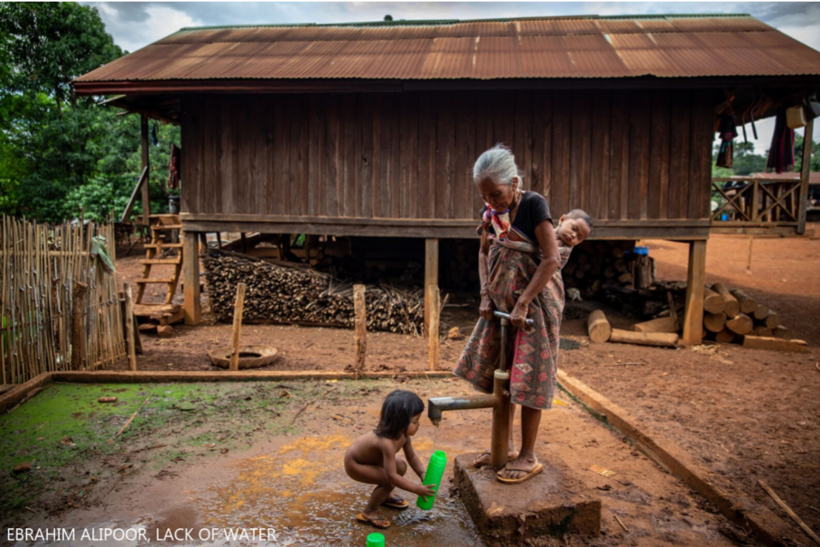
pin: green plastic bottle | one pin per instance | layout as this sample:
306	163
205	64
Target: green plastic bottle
435	471
375	540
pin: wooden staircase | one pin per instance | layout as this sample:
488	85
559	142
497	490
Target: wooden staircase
161	226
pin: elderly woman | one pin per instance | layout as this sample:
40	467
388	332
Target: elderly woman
519	265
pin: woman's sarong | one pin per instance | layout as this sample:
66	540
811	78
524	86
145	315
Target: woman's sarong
532	354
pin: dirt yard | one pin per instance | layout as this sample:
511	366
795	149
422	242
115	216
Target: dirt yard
258	455
745	414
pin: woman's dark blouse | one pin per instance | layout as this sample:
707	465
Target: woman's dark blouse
532	211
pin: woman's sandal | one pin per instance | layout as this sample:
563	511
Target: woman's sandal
530	473
381	524
395	502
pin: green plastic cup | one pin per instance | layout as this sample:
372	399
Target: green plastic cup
375	540
435	471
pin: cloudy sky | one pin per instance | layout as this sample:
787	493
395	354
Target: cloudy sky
136	24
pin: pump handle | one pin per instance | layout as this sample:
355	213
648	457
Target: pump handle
503	315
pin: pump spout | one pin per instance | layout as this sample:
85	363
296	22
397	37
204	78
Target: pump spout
437	405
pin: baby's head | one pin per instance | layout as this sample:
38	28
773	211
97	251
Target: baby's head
400	414
573	227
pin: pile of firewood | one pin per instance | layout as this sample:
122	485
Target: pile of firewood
281	293
728	315
596	264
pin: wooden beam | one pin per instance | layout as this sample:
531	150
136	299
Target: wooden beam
804	178
696	277
133	199
430	277
146	164
434	297
192	307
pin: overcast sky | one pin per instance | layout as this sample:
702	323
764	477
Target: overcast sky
136	24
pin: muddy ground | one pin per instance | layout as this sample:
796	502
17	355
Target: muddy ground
269	455
745	414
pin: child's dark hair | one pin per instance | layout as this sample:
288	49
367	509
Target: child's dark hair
582	215
398	410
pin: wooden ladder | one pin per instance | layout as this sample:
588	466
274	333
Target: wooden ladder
153	256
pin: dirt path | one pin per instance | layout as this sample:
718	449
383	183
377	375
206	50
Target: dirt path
285	472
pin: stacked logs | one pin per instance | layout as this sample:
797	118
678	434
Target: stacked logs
595	264
729	315
278	293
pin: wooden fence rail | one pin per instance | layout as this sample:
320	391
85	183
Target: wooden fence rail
41	266
749	201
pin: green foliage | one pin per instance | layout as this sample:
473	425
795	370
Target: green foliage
60	153
815	152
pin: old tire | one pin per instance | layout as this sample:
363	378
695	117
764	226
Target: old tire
249	356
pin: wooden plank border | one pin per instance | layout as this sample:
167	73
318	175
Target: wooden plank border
763	523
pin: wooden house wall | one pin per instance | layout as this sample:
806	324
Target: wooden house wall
622	155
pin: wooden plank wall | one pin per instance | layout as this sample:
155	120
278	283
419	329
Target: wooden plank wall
620	155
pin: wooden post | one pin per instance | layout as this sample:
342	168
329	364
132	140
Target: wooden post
804	178
236	334
693	316
129	328
434	298
192	307
146	203
430	277
77	330
360	311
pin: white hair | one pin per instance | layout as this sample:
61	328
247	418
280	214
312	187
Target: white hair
497	163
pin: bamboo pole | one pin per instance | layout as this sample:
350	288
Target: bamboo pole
237	325
129	327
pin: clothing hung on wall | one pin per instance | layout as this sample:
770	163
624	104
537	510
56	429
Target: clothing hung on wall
781	152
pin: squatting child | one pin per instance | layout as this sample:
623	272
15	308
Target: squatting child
371	458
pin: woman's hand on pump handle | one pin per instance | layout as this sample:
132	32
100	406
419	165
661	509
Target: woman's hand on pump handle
487	307
518	317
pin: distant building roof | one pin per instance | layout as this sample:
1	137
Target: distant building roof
671	46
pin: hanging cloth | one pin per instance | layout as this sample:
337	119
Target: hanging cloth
173	167
727	132
781	152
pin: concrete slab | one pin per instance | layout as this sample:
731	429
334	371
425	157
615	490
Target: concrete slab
553	503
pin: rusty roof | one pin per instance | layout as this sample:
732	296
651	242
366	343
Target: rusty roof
671	46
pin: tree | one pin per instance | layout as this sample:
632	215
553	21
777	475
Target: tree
798	153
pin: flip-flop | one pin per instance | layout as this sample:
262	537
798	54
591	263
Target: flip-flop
381	524
535	470
396	502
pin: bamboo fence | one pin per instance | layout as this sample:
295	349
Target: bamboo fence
41	268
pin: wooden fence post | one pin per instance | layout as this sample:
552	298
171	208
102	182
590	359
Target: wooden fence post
129	328
77	330
237	325
430	276
360	311
192	306
434	298
805	173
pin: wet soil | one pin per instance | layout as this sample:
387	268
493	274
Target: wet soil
283	468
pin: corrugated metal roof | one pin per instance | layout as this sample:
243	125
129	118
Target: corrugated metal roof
570	47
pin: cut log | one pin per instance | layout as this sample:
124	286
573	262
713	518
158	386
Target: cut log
762	330
712	301
725	336
732	305
662	324
774	344
772	320
761	312
747	305
598	327
782	332
714	322
165	331
658	339
741	324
